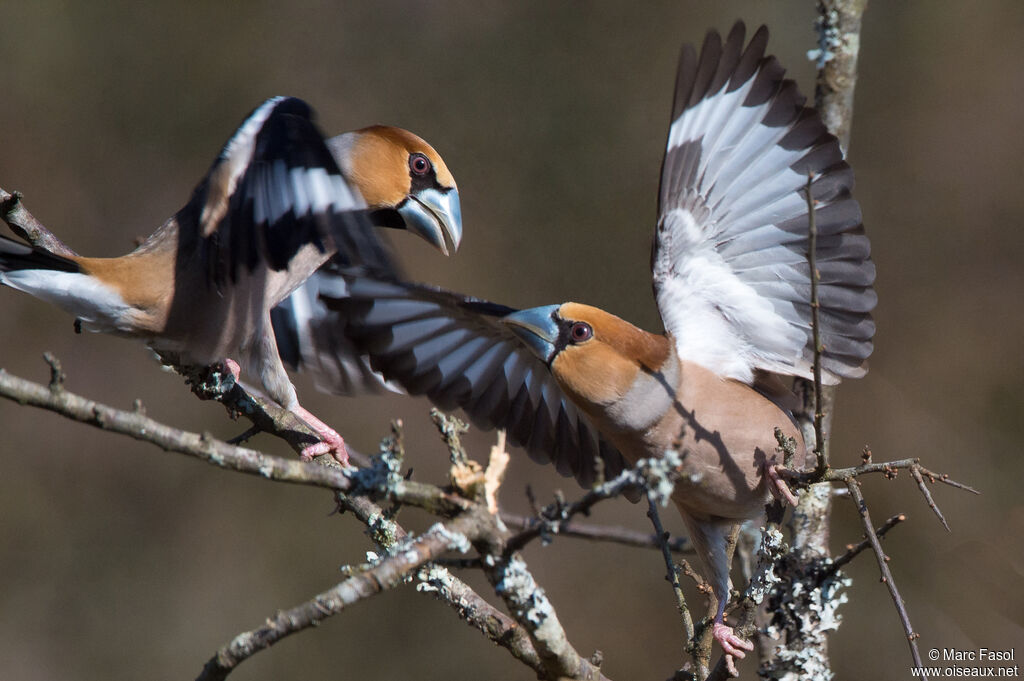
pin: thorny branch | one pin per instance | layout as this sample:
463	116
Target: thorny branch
806	566
883	566
853	550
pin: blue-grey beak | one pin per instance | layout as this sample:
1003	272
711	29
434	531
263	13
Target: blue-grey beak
435	215
538	328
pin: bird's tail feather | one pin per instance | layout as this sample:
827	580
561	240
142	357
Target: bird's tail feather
15	255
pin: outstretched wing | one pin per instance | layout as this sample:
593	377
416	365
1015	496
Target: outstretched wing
274	189
312	338
455	350
730	267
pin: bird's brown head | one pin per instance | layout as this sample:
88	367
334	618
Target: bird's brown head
404	181
594	355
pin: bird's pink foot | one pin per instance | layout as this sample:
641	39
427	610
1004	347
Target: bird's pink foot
331	442
233	367
733	645
778	487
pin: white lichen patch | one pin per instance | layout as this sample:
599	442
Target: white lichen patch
658	474
830	39
809	611
266	467
434	579
524	596
456	541
765	579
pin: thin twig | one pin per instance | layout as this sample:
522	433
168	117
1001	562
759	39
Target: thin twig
883	566
672	575
25	225
853	551
649	474
821	459
916	472
841	474
137	425
388	573
530	607
889	469
602	533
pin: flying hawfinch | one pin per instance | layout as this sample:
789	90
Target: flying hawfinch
277	203
576	386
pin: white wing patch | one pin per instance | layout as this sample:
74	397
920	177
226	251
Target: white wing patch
702	301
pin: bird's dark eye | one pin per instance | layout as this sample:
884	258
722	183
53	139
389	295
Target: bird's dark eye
580	332
419	164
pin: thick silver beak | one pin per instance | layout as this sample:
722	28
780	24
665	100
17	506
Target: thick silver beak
436	216
538	328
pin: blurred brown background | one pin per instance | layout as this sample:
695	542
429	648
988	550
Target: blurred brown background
119	561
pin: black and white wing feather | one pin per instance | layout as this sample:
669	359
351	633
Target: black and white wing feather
311	338
730	267
274	189
456	351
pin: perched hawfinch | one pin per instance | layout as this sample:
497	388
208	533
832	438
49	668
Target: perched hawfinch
575	385
278	202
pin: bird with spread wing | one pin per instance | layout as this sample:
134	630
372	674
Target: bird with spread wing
279	202
585	390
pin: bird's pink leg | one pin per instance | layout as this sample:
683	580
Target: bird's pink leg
778	487
233	367
732	644
332	442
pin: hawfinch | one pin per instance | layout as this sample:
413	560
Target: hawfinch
278	202
584	389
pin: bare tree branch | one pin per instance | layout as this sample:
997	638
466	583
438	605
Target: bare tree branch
838	42
887	578
601	533
853	550
137	425
672	575
25	225
656	476
388	573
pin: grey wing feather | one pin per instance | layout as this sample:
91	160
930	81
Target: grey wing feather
730	258
456	351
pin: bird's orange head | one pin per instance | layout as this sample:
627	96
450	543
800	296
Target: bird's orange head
404	181
594	355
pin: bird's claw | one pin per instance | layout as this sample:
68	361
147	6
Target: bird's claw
778	487
334	446
232	367
733	645
330	441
